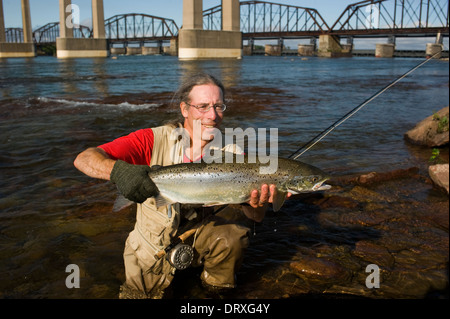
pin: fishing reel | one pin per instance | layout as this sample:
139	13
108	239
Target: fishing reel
181	256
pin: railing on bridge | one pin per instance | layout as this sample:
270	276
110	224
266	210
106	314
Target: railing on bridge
267	19
127	27
46	34
374	17
139	27
14	35
49	32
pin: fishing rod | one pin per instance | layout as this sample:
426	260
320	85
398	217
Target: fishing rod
180	256
307	146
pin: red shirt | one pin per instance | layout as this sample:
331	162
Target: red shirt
135	148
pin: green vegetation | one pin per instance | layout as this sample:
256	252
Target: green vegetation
46	49
443	123
434	156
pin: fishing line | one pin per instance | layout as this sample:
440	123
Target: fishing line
328	130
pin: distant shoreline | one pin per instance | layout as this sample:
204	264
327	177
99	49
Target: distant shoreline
369	52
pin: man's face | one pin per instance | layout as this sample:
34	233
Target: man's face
207	94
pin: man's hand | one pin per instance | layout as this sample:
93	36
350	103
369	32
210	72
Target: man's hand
133	181
258	202
267	194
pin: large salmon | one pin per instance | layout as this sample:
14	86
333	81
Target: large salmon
232	183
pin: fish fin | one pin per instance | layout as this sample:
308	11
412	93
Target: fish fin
161	200
213	204
121	203
278	200
293	192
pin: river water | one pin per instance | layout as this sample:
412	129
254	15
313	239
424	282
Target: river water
51	215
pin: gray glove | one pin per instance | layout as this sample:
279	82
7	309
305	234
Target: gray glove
133	181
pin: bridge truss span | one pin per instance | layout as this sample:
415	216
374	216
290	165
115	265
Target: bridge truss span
49	32
394	17
272	20
14	35
46	34
139	27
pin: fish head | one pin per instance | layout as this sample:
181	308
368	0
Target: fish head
307	183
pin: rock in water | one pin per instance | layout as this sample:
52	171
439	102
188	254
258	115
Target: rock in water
439	174
319	270
432	131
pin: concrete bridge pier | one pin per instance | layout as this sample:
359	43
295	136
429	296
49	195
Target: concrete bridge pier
155	50
274	49
307	49
385	50
249	48
435	49
69	47
330	47
2	24
348	47
171	50
126	48
118	50
196	43
25	49
134	50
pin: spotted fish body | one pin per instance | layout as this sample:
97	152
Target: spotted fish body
232	183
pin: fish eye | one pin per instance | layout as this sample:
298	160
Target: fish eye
315	179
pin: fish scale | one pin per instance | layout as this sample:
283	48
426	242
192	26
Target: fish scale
212	184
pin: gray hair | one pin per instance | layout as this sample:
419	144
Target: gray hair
182	94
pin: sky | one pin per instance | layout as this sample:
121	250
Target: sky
46	11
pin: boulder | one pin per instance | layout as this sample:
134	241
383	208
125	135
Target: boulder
432	131
319	270
439	175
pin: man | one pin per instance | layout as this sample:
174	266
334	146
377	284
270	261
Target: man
126	161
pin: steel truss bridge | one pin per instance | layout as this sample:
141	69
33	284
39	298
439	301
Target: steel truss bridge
119	28
398	17
260	19
47	33
266	20
139	27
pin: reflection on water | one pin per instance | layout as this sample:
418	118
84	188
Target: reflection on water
67	70
51	215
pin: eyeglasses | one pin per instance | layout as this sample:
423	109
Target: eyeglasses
203	108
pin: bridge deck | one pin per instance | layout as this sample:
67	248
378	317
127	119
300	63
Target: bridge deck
266	20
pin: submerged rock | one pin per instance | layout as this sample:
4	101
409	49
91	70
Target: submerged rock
374	253
375	177
319	270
